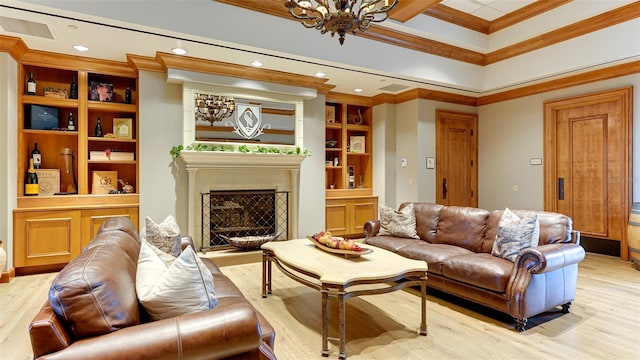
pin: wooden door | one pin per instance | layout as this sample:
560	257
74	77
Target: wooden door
588	163
456	154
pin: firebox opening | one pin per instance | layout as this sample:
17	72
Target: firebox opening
238	213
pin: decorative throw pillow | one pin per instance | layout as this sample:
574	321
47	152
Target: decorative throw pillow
185	286
515	234
400	223
165	236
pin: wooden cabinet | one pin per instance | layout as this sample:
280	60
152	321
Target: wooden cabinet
80	142
47	237
52	229
346	216
348	167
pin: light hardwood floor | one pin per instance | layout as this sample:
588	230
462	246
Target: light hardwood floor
604	322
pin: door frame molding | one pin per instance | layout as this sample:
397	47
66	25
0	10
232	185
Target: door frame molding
625	97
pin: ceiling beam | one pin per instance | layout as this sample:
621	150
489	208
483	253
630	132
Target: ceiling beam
408	9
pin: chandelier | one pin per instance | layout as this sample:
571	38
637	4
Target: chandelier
340	16
213	108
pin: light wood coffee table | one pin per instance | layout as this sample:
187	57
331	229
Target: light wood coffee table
335	276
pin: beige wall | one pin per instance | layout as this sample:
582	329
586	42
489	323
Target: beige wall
511	132
8	146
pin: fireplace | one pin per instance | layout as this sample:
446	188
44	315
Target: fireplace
239	213
225	172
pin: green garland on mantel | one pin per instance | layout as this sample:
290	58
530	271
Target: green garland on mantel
175	151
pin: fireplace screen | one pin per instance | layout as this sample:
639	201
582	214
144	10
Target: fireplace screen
243	213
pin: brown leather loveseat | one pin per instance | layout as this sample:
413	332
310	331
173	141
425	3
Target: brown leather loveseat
100	317
456	242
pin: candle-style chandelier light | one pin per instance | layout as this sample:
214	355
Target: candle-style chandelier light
340	16
213	108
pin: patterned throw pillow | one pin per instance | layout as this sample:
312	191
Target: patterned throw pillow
165	236
182	287
515	234
400	223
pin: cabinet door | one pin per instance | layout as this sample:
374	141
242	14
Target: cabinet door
338	219
46	237
364	209
93	219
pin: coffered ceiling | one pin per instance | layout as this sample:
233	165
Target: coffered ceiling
466	47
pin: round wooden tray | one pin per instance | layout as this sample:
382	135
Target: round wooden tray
345	253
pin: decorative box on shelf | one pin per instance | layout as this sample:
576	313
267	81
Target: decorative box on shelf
48	181
104	181
108	155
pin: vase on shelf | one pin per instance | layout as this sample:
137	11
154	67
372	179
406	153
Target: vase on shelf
358	118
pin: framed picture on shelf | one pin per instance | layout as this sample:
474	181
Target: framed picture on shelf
101	92
330	114
122	128
356	144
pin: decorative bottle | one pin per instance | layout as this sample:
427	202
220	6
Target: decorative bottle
31	85
71	125
99	128
73	89
127	95
31	181
352	178
36	155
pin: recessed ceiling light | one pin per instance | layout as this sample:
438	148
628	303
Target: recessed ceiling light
320	74
179	51
72	27
256	63
80	48
357	90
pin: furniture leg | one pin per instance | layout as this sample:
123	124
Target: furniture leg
325	323
342	318
565	307
266	274
521	324
423	292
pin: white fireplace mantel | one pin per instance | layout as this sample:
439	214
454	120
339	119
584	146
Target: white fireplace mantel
196	161
226	159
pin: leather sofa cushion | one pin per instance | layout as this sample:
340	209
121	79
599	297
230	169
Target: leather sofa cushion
427	215
392	243
95	293
554	227
462	226
479	269
433	254
120	223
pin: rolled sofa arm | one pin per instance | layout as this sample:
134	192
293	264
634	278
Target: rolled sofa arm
550	257
213	334
371	228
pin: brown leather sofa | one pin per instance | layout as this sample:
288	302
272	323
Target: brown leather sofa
109	323
456	242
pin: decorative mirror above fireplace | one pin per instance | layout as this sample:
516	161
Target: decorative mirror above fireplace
220	118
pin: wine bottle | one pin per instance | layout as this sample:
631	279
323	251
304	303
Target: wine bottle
127	95
99	128
71	126
352	178
36	156
31	85
73	89
31	181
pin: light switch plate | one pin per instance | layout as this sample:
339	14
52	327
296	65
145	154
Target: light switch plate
535	161
431	163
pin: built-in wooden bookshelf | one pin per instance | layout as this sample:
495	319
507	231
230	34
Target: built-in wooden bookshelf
49	230
348	164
